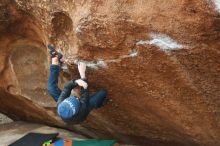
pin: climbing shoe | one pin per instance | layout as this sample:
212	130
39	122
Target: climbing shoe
54	53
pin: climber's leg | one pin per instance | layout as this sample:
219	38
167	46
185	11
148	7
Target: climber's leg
53	89
97	100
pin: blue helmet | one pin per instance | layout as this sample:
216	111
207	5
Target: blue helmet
68	108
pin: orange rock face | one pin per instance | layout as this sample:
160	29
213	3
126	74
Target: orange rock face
159	61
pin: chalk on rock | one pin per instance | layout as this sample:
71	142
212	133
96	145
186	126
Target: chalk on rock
65	68
165	42
162	41
133	53
101	63
78	30
217	4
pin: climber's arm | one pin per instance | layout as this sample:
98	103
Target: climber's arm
84	103
84	92
68	87
53	88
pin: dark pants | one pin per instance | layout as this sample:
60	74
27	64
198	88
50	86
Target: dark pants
95	101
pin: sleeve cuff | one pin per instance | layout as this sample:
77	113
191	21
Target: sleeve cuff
74	82
85	79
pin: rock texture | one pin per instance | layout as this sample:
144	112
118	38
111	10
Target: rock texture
4	119
159	61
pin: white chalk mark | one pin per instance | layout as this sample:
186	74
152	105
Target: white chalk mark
165	42
78	30
162	41
65	68
217	4
100	63
93	64
141	42
133	53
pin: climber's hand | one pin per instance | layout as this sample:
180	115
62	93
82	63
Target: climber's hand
82	69
82	83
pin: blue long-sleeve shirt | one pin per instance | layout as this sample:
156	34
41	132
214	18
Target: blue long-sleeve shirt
59	95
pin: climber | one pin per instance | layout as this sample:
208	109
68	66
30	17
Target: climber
70	108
